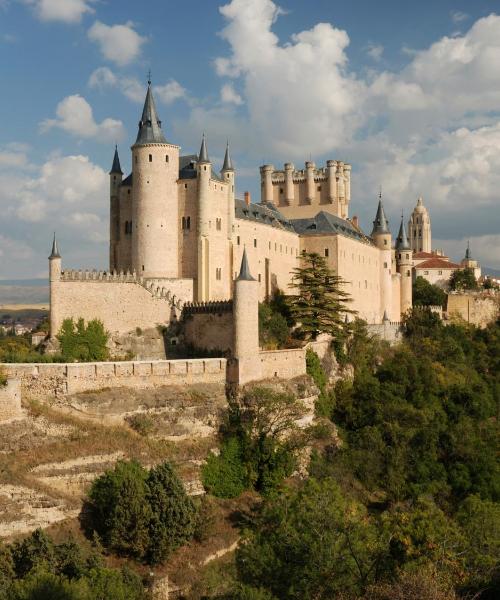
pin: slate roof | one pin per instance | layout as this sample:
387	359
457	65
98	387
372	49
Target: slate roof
116	168
324	223
421	255
381	224
245	274
150	125
437	263
264	212
402	242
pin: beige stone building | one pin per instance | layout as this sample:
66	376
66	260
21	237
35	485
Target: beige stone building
178	235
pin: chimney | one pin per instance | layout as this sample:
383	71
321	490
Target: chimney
247	198
355	221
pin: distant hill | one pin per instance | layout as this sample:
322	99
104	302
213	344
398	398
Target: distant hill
490	272
24	291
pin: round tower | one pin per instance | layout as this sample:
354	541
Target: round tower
266	183
419	228
381	235
227	174
310	183
331	167
404	264
115	181
289	187
55	270
155	171
246	324
204	172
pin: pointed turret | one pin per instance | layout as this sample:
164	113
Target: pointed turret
402	242
245	274
468	254
116	167
150	125
55	250
381	224
203	156
228	163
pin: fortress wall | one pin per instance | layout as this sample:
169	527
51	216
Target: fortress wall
391	332
121	306
274	258
10	399
42	381
210	331
477	309
284	364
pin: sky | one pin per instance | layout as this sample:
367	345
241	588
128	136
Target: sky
408	93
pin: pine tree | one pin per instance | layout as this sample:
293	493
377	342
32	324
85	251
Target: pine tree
321	303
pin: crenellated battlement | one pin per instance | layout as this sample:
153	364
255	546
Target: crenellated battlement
218	306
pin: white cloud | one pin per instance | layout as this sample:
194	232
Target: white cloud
120	44
13	159
229	95
14	249
170	92
103	78
66	11
484	248
375	51
75	116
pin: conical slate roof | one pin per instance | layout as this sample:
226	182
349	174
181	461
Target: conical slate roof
116	167
402	242
381	224
228	163
203	157
468	253
150	125
55	250
244	269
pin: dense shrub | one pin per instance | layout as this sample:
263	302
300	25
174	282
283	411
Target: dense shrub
3	378
273	329
224	474
141	514
427	294
83	342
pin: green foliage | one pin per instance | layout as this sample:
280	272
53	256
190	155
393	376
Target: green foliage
462	279
143	424
326	397
3	378
260	444
311	543
85	343
141	514
273	329
320	305
224	475
18	349
427	294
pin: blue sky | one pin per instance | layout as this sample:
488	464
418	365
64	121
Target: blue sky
409	93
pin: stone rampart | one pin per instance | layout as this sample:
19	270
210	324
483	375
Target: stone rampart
48	380
390	331
10	399
284	364
476	308
209	325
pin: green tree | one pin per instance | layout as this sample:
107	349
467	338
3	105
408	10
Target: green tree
311	543
82	342
273	329
37	551
462	279
173	515
321	302
224	475
119	510
427	294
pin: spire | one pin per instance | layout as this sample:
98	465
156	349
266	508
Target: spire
244	269
116	167
55	249
228	163
150	125
381	224
420	202
203	157
385	317
468	254
402	242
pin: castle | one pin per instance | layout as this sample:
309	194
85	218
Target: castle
177	236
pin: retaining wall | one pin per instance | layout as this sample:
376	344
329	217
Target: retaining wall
40	381
10	399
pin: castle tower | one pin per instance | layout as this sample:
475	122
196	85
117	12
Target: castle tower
115	181
266	183
204	171
289	186
227	174
468	262
382	237
246	324
55	269
419	228
155	219
404	263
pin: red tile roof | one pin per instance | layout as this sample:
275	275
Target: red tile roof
426	255
437	263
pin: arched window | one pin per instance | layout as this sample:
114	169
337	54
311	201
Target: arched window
150	158
166	157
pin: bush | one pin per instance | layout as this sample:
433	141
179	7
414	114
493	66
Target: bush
3	378
80	342
427	294
206	520
143	424
224	475
326	398
141	514
273	329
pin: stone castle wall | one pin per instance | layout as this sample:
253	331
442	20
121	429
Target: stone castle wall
49	380
122	302
10	399
209	326
477	309
287	364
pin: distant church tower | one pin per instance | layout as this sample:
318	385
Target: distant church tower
419	228
155	207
